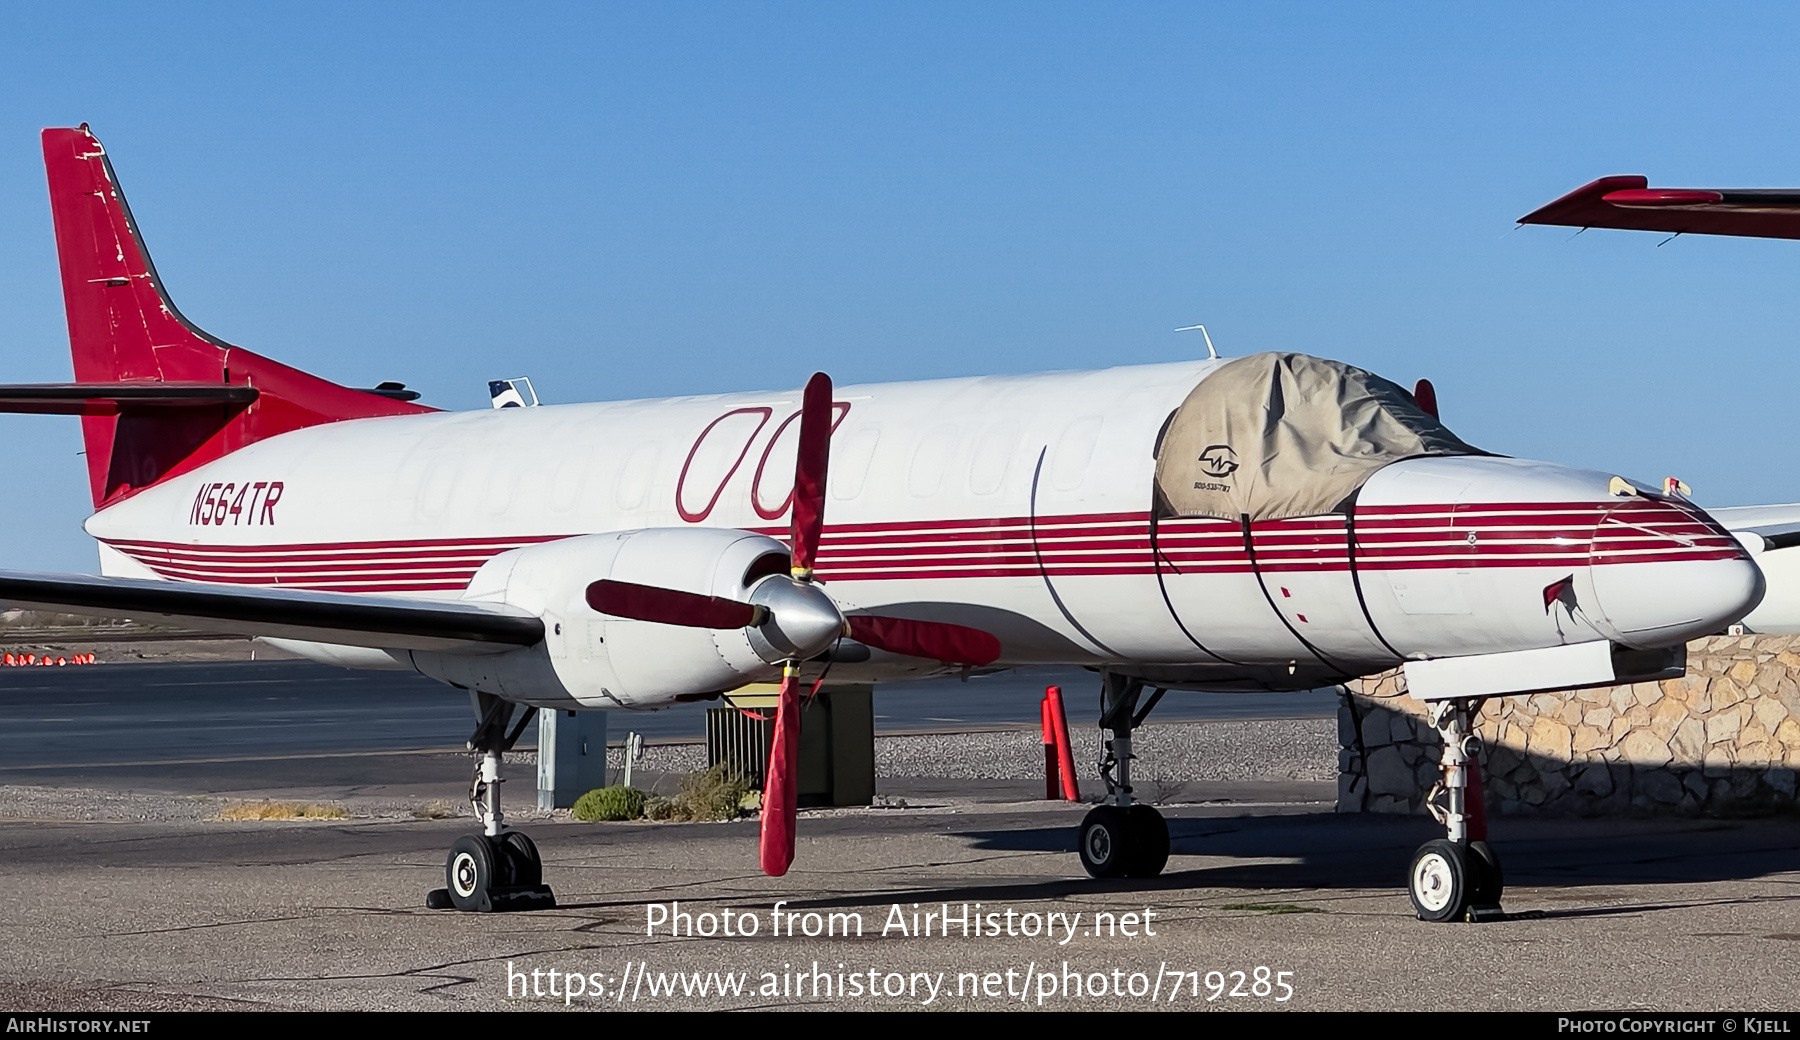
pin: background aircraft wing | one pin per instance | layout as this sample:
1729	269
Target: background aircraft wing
383	622
1630	203
1778	526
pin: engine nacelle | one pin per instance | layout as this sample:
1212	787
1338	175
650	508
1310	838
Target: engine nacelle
593	660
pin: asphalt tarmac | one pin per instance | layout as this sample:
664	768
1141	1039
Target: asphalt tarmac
1645	916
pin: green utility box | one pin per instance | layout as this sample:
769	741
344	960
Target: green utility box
837	743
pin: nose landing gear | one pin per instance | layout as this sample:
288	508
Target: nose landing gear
497	869
1457	877
1125	838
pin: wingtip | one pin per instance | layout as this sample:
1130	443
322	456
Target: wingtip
1549	211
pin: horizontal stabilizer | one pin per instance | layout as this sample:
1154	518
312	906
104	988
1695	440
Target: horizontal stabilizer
382	622
1629	202
114	398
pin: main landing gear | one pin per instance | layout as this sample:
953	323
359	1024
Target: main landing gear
497	869
1122	839
1458	876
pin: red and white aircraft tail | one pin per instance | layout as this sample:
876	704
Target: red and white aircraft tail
158	396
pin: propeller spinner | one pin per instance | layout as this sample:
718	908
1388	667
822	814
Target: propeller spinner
792	620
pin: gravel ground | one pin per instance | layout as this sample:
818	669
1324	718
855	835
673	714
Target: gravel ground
80	803
1227	750
1231	750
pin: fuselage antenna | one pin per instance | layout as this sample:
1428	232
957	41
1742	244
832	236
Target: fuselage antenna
1210	352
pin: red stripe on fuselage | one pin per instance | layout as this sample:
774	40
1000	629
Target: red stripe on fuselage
1387	538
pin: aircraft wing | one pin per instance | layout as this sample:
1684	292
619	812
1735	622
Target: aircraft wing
1630	203
383	622
1777	526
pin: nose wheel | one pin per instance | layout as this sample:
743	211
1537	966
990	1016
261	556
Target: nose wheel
1449	881
1457	877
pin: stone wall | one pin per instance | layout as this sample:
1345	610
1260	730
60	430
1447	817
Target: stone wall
1722	740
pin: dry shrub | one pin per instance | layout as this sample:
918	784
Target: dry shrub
710	794
267	810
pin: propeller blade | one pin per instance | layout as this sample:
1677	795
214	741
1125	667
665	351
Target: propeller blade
936	640
669	607
809	472
780	795
1426	396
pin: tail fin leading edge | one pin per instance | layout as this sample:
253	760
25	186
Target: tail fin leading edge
123	328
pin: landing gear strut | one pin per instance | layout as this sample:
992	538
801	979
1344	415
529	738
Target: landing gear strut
1125	838
497	869
1458	876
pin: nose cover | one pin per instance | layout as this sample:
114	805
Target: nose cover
1665	572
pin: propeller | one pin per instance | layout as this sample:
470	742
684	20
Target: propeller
1426	396
793	621
934	640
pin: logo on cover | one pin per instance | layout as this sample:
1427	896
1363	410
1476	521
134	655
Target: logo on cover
1218	460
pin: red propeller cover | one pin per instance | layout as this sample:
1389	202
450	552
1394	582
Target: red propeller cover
935	640
667	606
780	795
1426	396
809	471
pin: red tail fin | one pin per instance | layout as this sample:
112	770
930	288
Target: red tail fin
124	329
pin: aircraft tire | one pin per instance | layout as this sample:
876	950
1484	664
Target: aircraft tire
469	873
1490	880
1104	842
1439	880
1148	834
527	867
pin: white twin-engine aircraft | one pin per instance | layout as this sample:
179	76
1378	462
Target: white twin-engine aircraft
1272	522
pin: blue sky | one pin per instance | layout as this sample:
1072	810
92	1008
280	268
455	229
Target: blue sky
630	200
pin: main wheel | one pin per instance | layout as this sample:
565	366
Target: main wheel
1440	880
469	872
522	856
1490	881
1105	842
1148	836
